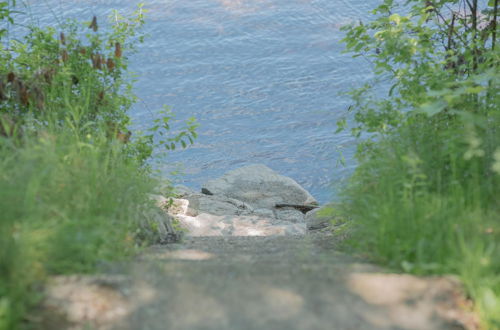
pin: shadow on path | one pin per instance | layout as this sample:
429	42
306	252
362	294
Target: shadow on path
279	283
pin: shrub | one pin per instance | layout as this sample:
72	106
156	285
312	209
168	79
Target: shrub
424	196
73	179
67	206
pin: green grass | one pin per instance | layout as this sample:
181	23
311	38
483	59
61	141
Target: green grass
73	186
419	204
425	196
67	206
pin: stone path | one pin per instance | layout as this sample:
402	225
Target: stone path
251	260
246	283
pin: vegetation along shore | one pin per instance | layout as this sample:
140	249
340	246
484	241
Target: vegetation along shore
77	193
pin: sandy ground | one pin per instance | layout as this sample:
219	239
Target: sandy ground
275	283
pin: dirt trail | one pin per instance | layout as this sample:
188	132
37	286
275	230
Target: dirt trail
244	283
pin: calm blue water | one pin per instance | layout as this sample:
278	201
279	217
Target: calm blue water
260	76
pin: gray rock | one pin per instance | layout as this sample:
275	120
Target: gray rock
290	214
156	226
244	225
319	218
250	201
266	213
177	206
215	205
258	186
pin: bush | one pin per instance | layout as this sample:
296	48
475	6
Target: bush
73	179
424	198
67	206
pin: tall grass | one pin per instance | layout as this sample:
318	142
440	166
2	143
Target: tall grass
67	206
424	198
73	181
419	204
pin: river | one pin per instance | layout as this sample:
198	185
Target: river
262	77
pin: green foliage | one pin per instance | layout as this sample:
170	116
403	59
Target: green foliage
421	205
56	76
159	135
73	180
78	77
424	198
67	205
424	55
5	14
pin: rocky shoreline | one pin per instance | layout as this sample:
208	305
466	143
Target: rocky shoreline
251	257
248	201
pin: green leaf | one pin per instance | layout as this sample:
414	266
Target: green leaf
475	89
395	18
341	125
433	108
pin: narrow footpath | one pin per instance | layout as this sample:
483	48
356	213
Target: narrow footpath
243	266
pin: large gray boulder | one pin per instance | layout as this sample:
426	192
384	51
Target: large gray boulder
205	224
260	187
204	215
249	201
216	205
290	214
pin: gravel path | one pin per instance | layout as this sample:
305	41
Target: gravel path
279	283
245	283
234	280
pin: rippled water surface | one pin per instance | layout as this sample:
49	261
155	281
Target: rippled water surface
260	76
